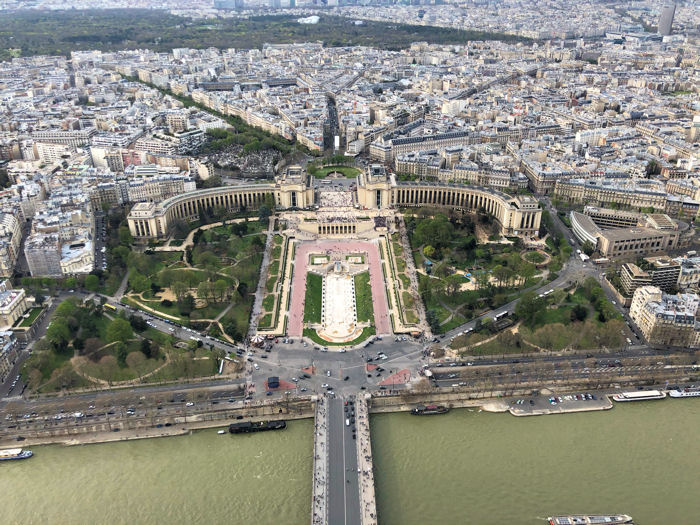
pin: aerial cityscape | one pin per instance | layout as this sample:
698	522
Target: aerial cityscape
273	233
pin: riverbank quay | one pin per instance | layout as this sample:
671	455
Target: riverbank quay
79	431
517	405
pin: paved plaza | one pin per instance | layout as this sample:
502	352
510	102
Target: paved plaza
339	311
337	248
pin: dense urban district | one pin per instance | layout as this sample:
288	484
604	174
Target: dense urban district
196	229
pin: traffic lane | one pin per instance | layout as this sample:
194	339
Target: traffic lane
336	484
352	494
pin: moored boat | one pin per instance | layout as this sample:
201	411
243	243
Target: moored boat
693	391
15	453
246	427
591	519
639	395
429	410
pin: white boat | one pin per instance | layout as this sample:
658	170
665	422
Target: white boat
693	391
591	519
221	432
15	453
639	395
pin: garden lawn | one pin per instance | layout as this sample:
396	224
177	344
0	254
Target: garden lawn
313	298
363	298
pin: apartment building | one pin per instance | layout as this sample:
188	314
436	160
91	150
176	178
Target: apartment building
668	320
633	277
13	304
10	241
43	253
9	352
640	194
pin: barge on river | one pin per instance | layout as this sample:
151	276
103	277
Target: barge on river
429	410
591	519
247	427
639	395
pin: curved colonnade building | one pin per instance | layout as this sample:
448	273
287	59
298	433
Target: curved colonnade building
518	216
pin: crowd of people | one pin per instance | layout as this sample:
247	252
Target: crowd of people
320	488
335	199
364	461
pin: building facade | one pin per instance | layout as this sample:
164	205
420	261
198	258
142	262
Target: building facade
668	320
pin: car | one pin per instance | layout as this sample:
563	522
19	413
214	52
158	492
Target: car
268	393
189	404
302	389
328	373
296	380
263	356
324	385
346	378
256	366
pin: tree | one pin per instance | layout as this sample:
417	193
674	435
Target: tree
453	284
429	251
433	320
138	323
204	290
579	313
264	212
588	248
119	330
58	333
220	288
179	289
186	305
125	237
92	282
139	282
528	307
109	367
135	360
65	309
146	348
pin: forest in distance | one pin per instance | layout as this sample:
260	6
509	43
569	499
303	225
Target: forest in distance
28	33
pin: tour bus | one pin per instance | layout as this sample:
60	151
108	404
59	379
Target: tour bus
111	306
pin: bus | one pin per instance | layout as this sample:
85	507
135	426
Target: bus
500	316
111	307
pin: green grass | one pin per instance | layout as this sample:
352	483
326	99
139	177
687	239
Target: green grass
366	332
409	307
535	257
405	281
28	321
268	302
265	321
313	300
348	171
363	298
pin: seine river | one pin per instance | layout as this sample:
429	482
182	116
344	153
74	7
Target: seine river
465	467
200	478
641	459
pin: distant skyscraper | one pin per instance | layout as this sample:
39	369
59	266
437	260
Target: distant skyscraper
666	19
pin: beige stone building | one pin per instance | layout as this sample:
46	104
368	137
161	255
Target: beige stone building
668	320
376	190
